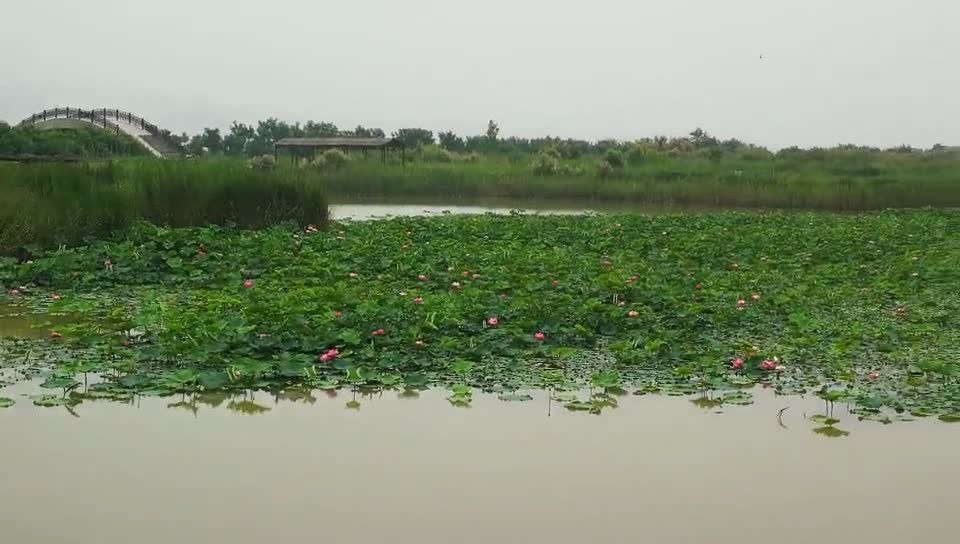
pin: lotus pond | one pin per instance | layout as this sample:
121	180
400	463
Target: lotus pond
861	309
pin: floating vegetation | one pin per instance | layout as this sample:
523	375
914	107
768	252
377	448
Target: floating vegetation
860	309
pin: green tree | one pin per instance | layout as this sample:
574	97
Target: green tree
211	140
413	137
320	130
451	142
361	132
493	131
238	139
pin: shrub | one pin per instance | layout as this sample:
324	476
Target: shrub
432	153
614	158
263	162
335	159
546	164
640	153
605	169
320	163
552	152
567	170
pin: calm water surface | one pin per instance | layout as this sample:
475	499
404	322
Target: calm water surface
656	469
365	210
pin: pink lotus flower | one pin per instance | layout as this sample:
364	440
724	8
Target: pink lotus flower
248	284
378	332
55	334
329	355
606	263
755	296
337	313
15	293
352	274
55	296
420	344
539	336
633	313
493	321
476	276
622	303
698	286
768	364
418	300
873	376
736	363
734	266
422	277
465	273
201	253
126	343
455	285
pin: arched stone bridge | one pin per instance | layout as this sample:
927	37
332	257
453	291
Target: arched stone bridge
151	137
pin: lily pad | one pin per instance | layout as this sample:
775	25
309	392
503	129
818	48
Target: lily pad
6	402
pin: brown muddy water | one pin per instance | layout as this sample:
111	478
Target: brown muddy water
655	469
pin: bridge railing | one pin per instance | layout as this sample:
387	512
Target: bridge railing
100	117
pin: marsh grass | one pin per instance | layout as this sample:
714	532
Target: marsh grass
834	181
50	204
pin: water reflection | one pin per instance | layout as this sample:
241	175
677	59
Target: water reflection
51	392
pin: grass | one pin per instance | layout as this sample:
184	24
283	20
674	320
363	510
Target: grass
861	308
51	204
841	184
46	205
75	142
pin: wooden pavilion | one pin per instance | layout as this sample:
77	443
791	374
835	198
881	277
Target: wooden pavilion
307	148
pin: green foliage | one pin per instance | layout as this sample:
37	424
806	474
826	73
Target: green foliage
263	162
451	142
614	158
79	142
605	169
827	306
51	204
335	159
546	164
414	137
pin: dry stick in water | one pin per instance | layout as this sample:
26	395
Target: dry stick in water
780	417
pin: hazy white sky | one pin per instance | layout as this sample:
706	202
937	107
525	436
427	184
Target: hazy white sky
878	72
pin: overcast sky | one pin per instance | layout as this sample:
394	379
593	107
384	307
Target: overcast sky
878	72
